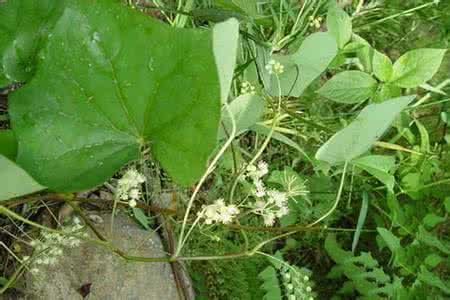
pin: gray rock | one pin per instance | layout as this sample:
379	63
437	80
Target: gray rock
111	276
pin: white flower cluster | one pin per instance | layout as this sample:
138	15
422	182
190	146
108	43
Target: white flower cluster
128	188
247	88
270	204
51	245
315	22
274	67
219	212
297	283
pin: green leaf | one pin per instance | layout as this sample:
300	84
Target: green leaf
359	136
247	110
24	25
432	279
428	239
382	66
304	66
349	87
390	239
15	182
417	67
386	91
140	216
111	80
339	24
361	220
225	42
8	144
431	220
281	138
379	166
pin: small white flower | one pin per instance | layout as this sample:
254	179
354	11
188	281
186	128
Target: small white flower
263	168
247	88
134	194
260	189
277	197
132	203
269	219
34	270
306	278
274	67
308	289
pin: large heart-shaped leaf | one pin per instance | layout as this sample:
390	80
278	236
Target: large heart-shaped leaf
15	182
110	81
24	25
304	66
359	136
8	144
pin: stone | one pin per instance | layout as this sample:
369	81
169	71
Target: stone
105	275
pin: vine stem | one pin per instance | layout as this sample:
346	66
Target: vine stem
338	198
264	145
205	175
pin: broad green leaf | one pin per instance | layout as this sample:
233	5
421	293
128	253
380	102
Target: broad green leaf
382	66
359	136
8	144
417	67
379	166
14	181
140	216
225	43
349	87
111	80
24	25
339	24
304	66
247	110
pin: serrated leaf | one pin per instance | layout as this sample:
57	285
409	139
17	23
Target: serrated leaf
24	25
247	110
359	136
14	181
8	144
110	80
304	66
379	166
339	24
433	280
382	66
417	67
349	87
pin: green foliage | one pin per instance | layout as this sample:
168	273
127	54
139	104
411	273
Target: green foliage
15	181
339	24
246	110
349	87
358	137
24	25
416	67
109	101
304	66
8	144
363	271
